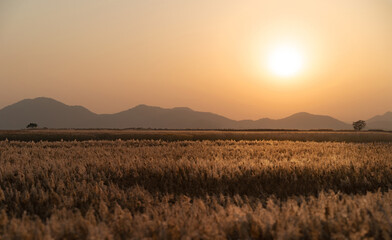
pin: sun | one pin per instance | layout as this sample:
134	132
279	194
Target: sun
285	61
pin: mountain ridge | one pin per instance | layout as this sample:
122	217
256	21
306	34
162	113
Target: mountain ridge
383	121
48	112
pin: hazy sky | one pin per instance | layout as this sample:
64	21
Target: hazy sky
209	55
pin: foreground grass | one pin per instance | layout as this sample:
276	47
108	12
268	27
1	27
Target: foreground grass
205	190
328	216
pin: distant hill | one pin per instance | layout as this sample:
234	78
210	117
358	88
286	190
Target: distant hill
380	122
47	112
144	116
303	121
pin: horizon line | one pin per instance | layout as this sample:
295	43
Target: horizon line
184	107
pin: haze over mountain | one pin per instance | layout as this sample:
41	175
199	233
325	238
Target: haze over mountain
380	121
47	112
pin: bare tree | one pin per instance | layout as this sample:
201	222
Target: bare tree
358	125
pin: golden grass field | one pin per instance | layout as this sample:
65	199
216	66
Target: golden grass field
174	188
195	135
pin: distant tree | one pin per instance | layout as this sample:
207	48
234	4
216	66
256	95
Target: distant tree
32	125
358	125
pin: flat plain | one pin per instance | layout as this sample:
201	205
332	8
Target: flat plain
136	184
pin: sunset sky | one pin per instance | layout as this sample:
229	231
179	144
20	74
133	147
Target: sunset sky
241	59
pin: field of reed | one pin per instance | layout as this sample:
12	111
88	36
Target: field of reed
194	135
221	189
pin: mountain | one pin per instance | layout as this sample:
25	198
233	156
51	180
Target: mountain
144	116
50	113
46	112
303	120
380	122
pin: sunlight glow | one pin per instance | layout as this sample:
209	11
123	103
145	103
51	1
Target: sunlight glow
285	61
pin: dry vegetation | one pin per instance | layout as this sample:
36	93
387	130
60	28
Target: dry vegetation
194	135
195	189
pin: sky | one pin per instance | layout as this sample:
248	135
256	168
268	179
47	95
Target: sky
212	56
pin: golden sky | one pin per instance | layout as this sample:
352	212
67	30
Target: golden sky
207	55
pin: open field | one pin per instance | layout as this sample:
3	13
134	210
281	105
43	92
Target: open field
195	189
195	135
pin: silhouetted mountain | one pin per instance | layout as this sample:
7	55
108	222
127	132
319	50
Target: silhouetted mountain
50	113
47	113
380	122
303	120
176	118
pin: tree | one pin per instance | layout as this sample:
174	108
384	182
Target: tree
32	125
358	125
